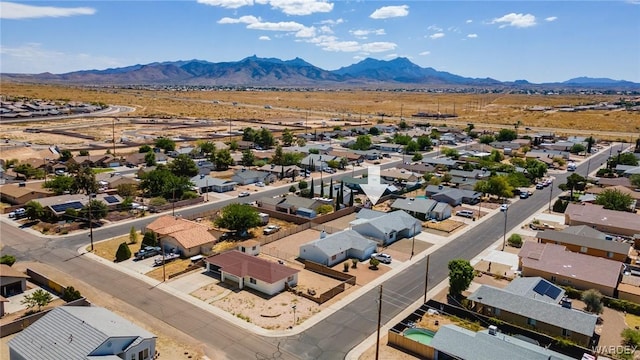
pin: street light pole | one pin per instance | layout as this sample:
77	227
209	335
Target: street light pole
426	280
294	315
91	196
413	241
504	235
550	195
379	320
113	134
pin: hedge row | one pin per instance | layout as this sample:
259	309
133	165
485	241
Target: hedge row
612	303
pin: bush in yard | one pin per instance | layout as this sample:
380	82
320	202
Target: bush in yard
7	259
324	209
345	266
123	252
70	294
149	239
373	263
593	301
38	298
630	337
515	240
158	201
354	263
133	236
560	206
292	188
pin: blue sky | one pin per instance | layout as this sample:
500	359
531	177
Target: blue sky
540	41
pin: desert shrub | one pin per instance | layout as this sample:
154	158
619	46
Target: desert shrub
560	206
189	195
324	209
630	337
7	259
373	263
123	252
70	294
149	239
515	240
292	188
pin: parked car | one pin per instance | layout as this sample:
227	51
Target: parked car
504	207
18	213
382	257
244	194
271	229
465	213
524	194
147	251
540	186
260	184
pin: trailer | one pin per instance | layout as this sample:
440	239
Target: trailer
165	258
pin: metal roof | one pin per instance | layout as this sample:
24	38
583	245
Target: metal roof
341	241
561	237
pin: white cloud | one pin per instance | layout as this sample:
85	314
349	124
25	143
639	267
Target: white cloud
279	26
31	58
227	4
301	7
331	43
376	47
391	56
436	36
386	12
424	53
249	19
515	20
9	10
551	18
264	38
326	29
332	22
307	32
434	28
469	21
362	34
472	36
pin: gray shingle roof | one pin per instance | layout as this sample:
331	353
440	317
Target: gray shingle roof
542	311
417	205
73	332
524	286
466	344
578	240
395	221
584	230
342	241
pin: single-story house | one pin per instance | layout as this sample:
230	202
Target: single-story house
58	205
547	317
635	195
369	155
586	240
317	161
206	183
22	193
386	228
112	181
418	168
560	266
454	342
599	218
190	151
423	209
288	204
246	177
82	332
452	196
333	249
265	276
139	158
246	145
278	170
12	281
389	147
443	161
399	175
352	157
185	237
548	154
95	161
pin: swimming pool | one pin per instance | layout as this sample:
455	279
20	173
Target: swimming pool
422	336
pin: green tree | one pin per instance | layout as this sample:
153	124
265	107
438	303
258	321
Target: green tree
301	142
630	337
248	158
411	147
496	155
536	169
144	149
27	170
7	259
84	153
238	217
183	165
265	139
460	276
374	131
149	239
560	206
590	142
60	184
165	144
614	199
424	142
163	182
416	157
123	253
324	209
206	147
133	236
311	190
506	135
65	155
97	208
574	182
34	210
635	180
248	134
127	190
486	139
150	159
499	186
592	299
287	137
450	152
70	294
363	142
233	145
515	240
84	181
302	185
278	157
373	263
38	298
577	148
401	139
224	159
403	125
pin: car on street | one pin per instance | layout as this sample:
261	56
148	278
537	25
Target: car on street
540	186
504	207
524	194
465	213
244	194
271	229
382	257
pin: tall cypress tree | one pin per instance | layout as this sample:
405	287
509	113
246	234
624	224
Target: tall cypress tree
351	198
311	193
331	189
321	188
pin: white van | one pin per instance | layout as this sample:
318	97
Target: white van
572	167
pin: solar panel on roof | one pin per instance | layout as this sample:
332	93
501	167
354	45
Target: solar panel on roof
541	287
111	199
77	205
553	291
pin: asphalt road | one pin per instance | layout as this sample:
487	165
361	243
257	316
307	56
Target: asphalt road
331	338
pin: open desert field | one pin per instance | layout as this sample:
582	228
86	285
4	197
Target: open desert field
485	111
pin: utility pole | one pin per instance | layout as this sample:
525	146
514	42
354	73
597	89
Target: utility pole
413	241
113	134
173	203
426	280
379	320
550	194
504	234
91	196
164	274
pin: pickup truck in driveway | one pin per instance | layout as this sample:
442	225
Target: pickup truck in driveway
147	251
271	229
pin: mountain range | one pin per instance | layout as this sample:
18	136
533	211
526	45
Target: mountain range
273	72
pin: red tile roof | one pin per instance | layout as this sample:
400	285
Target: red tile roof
242	265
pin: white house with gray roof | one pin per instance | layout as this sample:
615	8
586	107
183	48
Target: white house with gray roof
82	332
452	341
389	227
206	183
246	177
422	208
335	248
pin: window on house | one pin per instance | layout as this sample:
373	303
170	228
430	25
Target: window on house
566	332
290	278
497	312
333	257
609	254
253	248
133	356
243	249
583	249
140	353
252	280
531	322
554	279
